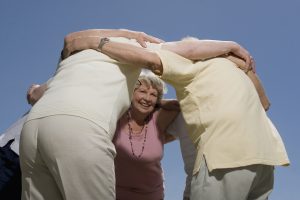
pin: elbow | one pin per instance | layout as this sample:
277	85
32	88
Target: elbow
156	66
67	38
191	54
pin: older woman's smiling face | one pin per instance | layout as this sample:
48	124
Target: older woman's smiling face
144	99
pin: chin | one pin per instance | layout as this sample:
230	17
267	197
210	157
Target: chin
146	112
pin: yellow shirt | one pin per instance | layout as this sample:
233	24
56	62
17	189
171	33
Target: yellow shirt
224	116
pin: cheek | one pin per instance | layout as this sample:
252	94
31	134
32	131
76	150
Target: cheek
137	97
154	100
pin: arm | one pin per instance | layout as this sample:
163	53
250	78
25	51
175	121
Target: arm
195	49
89	39
255	80
130	54
143	57
166	115
191	49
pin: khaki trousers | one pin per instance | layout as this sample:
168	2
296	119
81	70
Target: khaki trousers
254	182
66	157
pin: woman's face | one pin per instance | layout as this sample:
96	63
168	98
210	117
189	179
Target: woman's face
144	99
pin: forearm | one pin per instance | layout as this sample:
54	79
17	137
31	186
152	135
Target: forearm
166	117
238	61
98	33
255	80
89	39
195	49
134	55
200	49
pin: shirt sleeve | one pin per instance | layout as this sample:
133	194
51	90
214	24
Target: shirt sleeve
177	70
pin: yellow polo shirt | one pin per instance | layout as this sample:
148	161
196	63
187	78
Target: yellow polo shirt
224	116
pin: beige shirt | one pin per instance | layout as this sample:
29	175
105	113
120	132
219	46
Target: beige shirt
224	116
90	85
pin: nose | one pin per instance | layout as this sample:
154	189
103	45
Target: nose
147	97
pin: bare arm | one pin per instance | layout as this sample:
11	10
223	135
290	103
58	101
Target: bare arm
166	115
195	49
142	57
191	49
89	39
255	80
130	54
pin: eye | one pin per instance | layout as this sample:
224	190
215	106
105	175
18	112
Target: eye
154	94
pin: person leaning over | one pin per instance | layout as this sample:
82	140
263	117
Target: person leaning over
66	150
237	144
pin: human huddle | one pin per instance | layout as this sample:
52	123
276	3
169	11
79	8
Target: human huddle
98	126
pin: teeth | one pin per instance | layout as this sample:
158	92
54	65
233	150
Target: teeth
145	105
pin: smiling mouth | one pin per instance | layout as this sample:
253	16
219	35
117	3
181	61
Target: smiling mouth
145	105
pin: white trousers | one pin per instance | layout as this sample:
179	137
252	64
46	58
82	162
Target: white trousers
66	158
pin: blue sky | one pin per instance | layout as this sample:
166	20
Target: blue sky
32	32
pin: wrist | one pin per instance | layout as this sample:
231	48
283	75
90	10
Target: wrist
102	42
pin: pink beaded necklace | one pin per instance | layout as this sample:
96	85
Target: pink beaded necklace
131	133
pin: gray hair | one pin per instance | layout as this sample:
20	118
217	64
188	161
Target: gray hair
189	38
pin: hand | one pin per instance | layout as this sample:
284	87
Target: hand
34	93
241	52
89	39
142	38
254	78
238	61
79	44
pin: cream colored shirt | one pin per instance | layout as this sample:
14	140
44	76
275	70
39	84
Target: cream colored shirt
224	116
90	85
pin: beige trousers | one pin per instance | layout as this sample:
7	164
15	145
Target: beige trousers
66	157
254	182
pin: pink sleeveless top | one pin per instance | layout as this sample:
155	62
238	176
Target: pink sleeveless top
139	178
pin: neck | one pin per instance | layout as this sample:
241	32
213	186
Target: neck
137	117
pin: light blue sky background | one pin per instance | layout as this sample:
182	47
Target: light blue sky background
32	31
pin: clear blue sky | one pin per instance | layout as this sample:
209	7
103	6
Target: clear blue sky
32	31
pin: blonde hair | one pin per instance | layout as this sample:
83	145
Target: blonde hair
153	81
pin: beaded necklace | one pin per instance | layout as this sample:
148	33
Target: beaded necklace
130	136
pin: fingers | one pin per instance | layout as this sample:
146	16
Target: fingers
142	42
252	64
143	38
153	39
